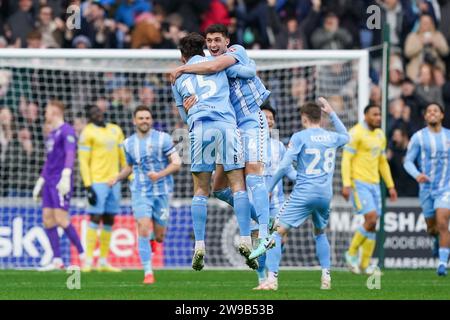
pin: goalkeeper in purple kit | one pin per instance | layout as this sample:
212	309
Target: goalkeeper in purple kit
56	181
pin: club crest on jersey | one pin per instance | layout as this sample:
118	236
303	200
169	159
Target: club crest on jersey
71	139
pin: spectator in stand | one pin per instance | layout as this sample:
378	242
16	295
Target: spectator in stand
81	42
128	10
147	32
172	32
427	87
414	101
21	23
290	36
331	36
34	40
252	20
396	154
191	11
444	84
216	13
427	45
396	76
375	95
100	31
51	29
396	117
401	18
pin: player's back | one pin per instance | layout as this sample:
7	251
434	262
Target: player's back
212	91
316	160
246	95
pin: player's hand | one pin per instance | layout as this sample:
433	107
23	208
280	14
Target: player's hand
91	196
326	107
346	193
189	102
63	185
112	182
174	74
37	188
154	176
422	178
393	194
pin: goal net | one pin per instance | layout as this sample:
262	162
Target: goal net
119	80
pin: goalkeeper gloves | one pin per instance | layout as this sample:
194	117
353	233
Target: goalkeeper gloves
37	188
63	185
92	197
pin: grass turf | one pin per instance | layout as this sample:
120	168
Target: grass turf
220	285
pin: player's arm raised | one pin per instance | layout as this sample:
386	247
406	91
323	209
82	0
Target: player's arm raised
346	165
337	123
385	172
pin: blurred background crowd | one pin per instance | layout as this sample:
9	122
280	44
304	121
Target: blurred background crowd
419	61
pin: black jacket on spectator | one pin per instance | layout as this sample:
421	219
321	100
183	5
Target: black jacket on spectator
417	105
408	186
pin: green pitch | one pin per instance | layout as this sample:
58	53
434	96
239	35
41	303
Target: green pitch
221	285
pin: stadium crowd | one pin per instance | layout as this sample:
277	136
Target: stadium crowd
419	62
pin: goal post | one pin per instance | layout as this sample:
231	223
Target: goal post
119	80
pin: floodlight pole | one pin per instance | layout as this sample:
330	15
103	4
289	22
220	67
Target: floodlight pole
384	103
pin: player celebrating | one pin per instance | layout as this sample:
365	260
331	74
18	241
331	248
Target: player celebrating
363	160
247	96
101	155
152	158
430	147
56	183
212	126
277	151
314	149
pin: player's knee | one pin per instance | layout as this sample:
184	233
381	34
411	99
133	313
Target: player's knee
108	219
159	237
95	218
254	168
62	221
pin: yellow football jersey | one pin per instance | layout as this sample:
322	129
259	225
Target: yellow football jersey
100	153
364	157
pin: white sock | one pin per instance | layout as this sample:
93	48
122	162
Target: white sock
326	273
200	245
273	276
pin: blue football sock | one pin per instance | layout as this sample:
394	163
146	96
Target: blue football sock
273	258
253	213
443	255
145	252
242	211
225	195
260	197
261	271
323	251
199	214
